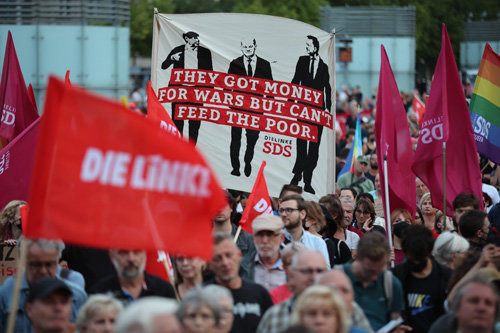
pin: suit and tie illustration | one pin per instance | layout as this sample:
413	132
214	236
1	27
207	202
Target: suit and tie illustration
193	56
311	72
249	64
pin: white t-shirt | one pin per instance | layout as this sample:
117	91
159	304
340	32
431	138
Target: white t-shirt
351	239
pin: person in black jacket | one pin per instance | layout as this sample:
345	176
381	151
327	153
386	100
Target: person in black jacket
311	71
249	64
190	55
424	280
131	281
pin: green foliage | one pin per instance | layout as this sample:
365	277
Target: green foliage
141	24
302	10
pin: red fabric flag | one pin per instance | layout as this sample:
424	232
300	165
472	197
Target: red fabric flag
16	165
31	94
341	120
157	113
18	111
66	79
393	141
155	266
258	202
419	109
447	101
106	177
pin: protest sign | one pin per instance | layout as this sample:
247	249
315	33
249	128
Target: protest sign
8	261
107	177
247	89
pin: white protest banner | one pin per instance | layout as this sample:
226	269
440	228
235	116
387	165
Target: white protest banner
250	88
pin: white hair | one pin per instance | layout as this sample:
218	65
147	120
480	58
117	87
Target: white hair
139	316
446	244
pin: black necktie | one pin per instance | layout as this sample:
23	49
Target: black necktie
250	72
312	67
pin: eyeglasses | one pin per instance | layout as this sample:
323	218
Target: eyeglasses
364	213
310	271
401	221
40	264
286	211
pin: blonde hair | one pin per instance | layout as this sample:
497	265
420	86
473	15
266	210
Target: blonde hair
94	305
322	296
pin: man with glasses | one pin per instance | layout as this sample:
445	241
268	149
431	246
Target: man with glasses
268	235
306	266
292	212
376	290
42	259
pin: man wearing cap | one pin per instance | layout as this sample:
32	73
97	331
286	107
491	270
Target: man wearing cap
356	177
48	306
267	267
41	262
189	56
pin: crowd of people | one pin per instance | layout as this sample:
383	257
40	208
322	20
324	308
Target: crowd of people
311	266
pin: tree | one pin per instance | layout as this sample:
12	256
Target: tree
141	24
302	10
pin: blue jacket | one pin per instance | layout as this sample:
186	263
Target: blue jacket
23	324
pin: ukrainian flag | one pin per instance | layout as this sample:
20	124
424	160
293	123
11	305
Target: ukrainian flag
485	106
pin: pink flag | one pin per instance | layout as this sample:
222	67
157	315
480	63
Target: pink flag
393	141
447	102
17	109
258	202
31	94
16	164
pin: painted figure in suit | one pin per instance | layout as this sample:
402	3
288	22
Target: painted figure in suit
311	72
249	64
189	56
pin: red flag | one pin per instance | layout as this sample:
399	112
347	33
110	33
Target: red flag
393	141
258	202
157	113
447	101
31	94
16	164
341	119
66	79
18	111
419	109
106	177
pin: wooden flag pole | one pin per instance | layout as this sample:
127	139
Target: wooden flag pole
238	231
14	303
165	258
387	208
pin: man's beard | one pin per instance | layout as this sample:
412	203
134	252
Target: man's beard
294	224
374	166
268	253
127	274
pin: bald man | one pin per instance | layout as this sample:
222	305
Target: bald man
341	281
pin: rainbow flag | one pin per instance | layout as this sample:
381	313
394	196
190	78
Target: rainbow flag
485	106
356	150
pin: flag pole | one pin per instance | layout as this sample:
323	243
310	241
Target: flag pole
14	304
444	181
387	208
237	234
167	262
